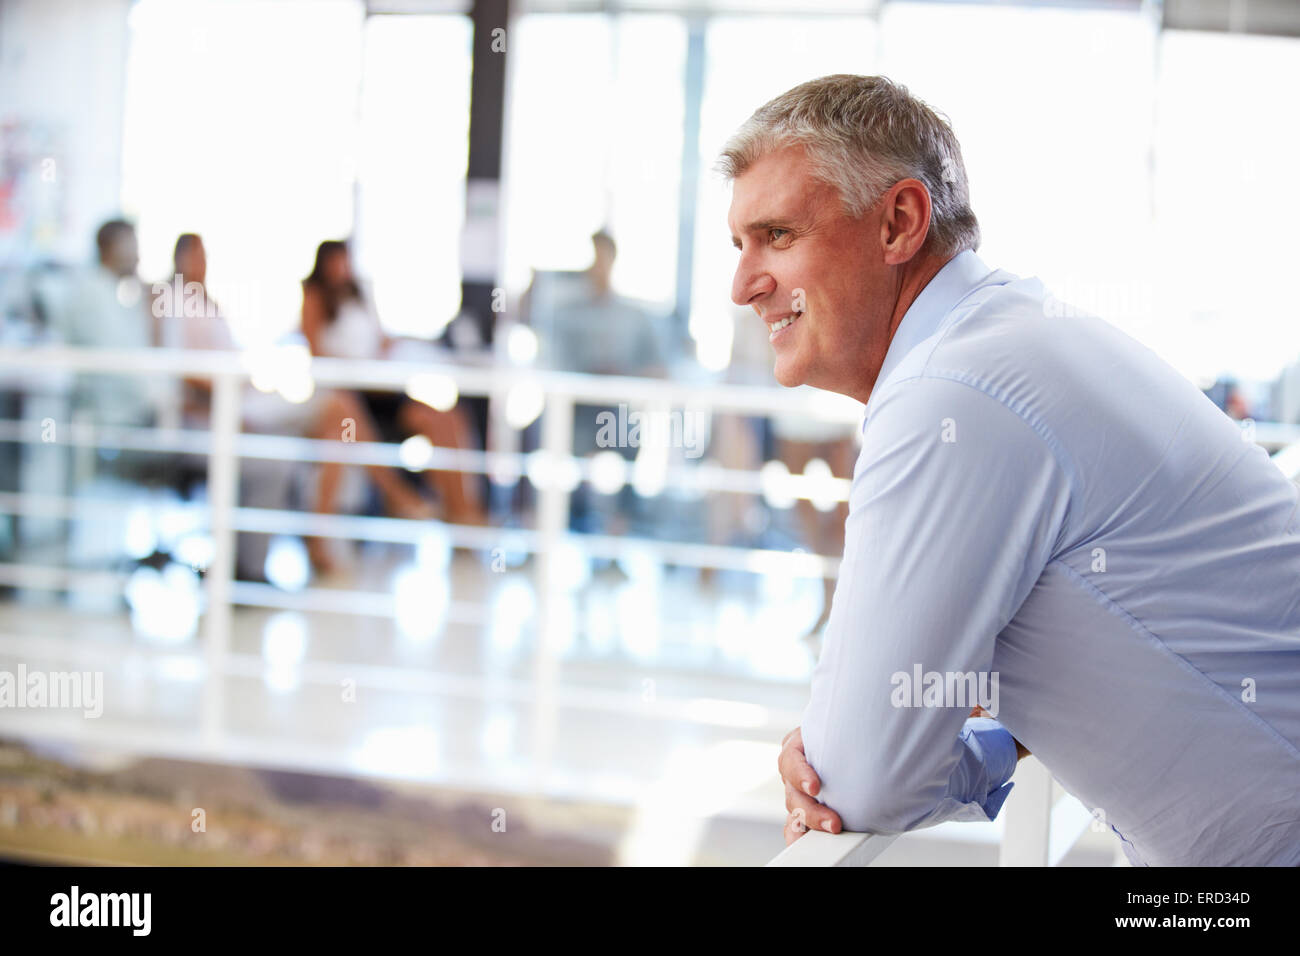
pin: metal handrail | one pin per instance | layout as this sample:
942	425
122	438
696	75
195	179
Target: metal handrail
816	848
230	372
478	380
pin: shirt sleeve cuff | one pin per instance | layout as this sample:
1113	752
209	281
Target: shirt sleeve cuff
995	748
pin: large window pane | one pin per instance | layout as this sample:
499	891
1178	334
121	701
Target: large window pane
411	196
241	125
1053	109
1227	137
595	139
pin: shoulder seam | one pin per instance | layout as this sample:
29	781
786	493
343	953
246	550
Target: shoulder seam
1016	408
1043	433
956	306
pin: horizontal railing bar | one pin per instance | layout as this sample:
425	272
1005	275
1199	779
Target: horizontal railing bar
243	593
341	601
712	478
46	578
818	848
471	537
291	448
395	374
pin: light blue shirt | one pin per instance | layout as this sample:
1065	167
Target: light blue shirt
1041	498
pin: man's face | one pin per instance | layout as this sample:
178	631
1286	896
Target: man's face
123	254
799	250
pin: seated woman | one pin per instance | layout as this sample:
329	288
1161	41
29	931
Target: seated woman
338	322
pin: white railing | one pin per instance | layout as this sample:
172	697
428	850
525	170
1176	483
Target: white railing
1038	829
224	445
817	848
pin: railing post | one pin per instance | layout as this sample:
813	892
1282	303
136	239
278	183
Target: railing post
1028	817
552	525
223	485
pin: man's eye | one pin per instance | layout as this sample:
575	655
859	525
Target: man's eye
777	234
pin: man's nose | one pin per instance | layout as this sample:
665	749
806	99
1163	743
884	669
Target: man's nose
750	284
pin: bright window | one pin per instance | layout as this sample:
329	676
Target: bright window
595	139
1053	108
411	182
1227	135
241	126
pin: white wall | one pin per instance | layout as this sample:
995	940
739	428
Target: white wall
62	67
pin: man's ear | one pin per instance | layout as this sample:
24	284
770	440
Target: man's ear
904	220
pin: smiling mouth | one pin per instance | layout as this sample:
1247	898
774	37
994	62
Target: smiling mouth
776	327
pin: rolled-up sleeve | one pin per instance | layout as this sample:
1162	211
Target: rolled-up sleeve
955	508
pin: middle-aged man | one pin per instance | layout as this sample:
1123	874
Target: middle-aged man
1038	498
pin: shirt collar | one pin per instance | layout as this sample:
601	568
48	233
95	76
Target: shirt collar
960	276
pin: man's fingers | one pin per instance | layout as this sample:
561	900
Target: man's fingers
795	827
812	815
795	769
801	786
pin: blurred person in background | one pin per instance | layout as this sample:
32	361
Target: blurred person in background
1236	406
740	441
338	321
800	440
598	331
595	331
108	308
187	317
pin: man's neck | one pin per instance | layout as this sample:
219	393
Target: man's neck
916	275
912	279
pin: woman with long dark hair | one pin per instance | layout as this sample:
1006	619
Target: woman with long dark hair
338	321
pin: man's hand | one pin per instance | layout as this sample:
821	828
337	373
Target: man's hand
801	786
1021	752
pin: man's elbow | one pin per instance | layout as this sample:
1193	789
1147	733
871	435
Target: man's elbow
878	808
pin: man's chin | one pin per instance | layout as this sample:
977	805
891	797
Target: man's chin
788	374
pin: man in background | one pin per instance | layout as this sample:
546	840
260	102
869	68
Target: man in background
108	308
592	329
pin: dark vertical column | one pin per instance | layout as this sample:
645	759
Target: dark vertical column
693	93
480	256
487	108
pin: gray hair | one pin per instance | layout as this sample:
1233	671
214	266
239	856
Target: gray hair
863	134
